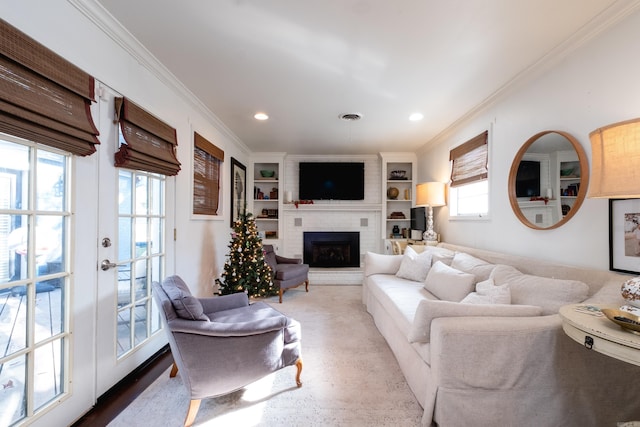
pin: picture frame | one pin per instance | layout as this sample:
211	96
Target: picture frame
624	235
238	189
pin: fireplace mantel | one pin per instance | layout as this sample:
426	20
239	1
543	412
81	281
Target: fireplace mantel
320	206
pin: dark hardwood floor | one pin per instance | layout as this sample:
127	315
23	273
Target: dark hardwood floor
111	403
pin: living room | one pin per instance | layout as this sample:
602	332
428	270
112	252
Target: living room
585	83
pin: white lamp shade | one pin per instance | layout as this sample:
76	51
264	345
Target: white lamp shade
615	151
430	194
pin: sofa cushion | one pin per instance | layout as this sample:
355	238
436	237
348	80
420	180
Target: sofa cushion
440	254
432	309
447	283
290	271
414	266
186	305
399	298
546	292
487	293
470	264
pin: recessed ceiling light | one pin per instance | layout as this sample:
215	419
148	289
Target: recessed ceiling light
415	117
260	116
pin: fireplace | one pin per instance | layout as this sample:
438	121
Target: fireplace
331	249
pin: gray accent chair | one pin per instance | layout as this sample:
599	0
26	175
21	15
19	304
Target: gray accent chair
221	344
287	272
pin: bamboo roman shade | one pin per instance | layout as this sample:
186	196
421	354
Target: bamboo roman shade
207	161
149	143
43	97
470	161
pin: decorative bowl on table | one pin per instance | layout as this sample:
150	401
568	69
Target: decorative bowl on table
624	319
267	173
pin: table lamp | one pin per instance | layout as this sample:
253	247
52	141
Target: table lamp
615	151
430	194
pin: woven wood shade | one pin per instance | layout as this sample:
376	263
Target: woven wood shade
470	161
207	162
615	151
150	143
43	97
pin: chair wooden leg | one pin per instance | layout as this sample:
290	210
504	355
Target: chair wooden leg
306	285
194	405
281	292
174	370
299	366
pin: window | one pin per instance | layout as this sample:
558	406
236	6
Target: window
469	187
207	162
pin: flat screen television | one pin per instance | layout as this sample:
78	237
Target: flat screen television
528	179
331	181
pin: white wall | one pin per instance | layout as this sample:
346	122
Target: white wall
597	84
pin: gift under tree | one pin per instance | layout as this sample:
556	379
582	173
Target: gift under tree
245	269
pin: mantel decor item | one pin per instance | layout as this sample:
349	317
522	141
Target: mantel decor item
430	194
392	193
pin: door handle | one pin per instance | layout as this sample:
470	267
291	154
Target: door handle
106	264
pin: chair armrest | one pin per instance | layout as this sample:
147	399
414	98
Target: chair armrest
285	260
224	302
238	329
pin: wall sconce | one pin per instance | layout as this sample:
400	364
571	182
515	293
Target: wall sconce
430	194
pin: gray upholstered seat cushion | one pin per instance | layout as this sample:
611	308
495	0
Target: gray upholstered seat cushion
290	271
186	305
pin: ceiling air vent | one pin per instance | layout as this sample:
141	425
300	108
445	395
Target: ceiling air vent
351	117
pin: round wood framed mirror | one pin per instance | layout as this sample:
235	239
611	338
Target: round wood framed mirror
548	180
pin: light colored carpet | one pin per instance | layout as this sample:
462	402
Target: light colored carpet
350	377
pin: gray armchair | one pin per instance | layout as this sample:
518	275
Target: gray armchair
287	272
221	344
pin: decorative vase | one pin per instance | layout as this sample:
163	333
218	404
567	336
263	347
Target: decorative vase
631	291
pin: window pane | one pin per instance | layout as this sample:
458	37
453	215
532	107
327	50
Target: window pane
470	200
48	241
13	247
124	284
141	194
13	322
48	373
49	313
125	227
13	377
124	331
157	201
50	181
140	323
14	173
125	195
156	236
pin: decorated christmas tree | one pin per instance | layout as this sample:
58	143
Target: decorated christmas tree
245	269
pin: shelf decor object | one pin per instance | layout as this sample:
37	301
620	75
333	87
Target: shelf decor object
430	194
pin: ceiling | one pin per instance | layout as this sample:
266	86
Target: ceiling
305	63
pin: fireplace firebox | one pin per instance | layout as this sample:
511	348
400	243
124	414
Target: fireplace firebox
331	249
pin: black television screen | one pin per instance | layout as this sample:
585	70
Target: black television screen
331	181
528	179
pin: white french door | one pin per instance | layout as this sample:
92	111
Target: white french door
133	247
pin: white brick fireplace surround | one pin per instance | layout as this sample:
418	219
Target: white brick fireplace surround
361	216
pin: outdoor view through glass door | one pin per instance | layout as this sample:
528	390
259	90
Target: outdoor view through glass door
34	278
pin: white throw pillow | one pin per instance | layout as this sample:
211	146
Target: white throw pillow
414	266
487	293
470	264
548	293
432	309
440	254
447	283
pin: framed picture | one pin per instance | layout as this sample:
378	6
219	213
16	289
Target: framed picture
624	235
238	190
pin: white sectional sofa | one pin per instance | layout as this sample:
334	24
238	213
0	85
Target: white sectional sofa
481	362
